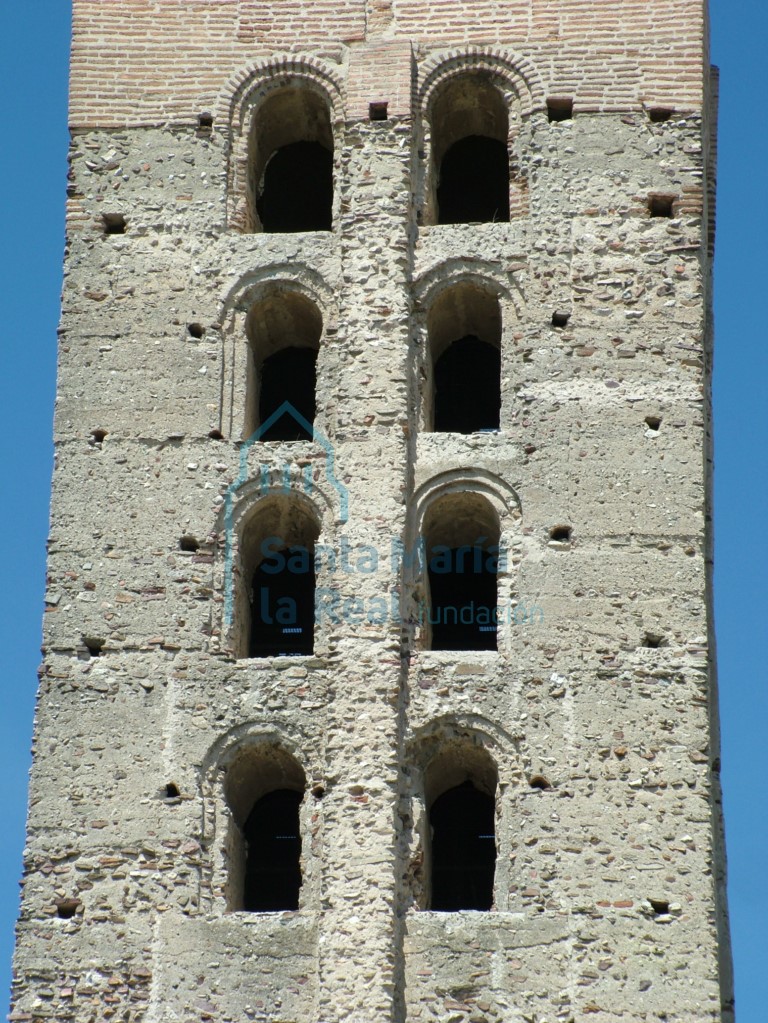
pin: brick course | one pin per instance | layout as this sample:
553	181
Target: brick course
143	62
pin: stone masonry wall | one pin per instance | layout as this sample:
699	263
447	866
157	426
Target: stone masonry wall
608	901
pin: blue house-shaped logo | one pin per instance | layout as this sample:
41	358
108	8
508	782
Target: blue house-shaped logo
265	473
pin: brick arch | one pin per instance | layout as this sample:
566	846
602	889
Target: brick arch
242	95
517	86
274	72
512	71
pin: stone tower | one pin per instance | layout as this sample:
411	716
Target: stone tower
377	684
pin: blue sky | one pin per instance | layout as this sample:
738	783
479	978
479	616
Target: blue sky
34	39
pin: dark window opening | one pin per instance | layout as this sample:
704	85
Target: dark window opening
297	189
463	849
463	559
290	162
284	330
660	907
274	611
273	850
288	375
464	328
283	604
377	111
205	121
189	543
196	330
468	387
653	422
98	436
172	790
462	586
474	182
560	108
560	319
659	114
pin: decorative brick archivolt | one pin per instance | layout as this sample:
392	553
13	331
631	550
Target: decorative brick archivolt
520	88
248	86
510	72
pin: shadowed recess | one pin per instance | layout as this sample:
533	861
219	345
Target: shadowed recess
290	163
467	387
464	328
297	189
460	785
275	612
469	124
288	375
474	182
461	535
284	329
273	850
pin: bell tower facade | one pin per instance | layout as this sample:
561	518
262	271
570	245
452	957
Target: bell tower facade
378	676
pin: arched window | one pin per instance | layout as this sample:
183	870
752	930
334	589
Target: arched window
278	570
464	328
264	788
284	331
291	163
469	124
460	793
461	544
